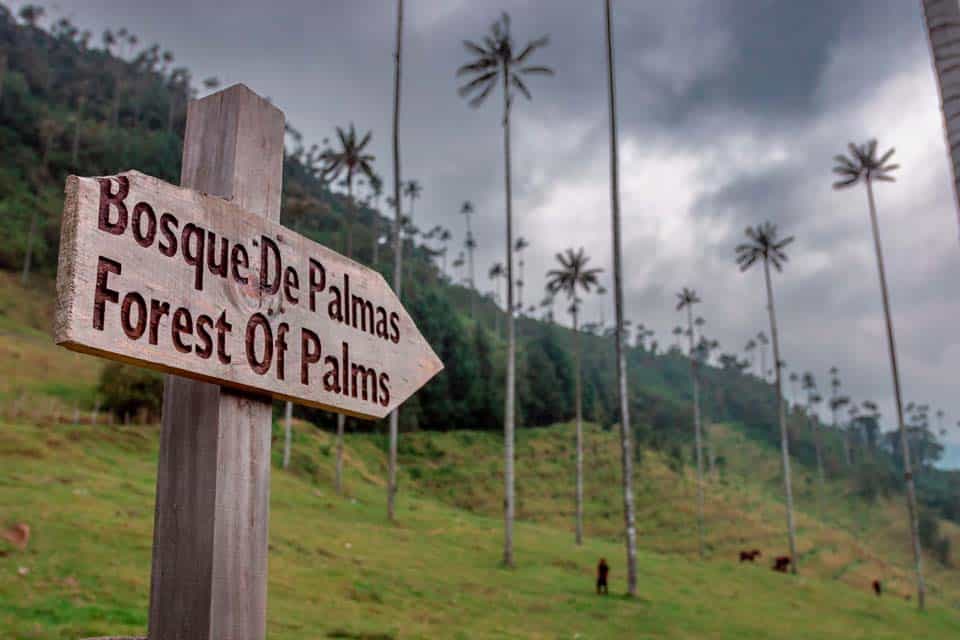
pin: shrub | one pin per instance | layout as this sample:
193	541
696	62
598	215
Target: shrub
128	391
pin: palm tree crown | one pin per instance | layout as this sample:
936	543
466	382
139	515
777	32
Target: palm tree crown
496	57
351	157
687	297
412	189
763	244
573	274
863	164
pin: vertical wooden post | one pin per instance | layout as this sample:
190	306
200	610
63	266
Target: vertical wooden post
209	578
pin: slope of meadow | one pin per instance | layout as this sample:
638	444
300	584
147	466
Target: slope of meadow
337	569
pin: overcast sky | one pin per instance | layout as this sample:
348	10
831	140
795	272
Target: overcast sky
730	113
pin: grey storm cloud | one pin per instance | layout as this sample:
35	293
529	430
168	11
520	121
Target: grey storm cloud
730	113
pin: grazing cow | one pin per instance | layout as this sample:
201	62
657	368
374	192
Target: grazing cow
781	563
750	556
877	588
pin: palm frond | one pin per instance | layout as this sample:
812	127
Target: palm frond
538	70
518	83
478	99
532	46
473	47
476	66
476	83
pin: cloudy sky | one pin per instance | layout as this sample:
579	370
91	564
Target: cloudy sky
730	113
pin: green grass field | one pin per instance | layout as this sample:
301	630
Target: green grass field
339	570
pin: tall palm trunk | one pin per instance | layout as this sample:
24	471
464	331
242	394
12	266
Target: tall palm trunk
496	311
846	438
342	419
287	417
626	445
943	31
818	449
520	286
397	259
351	212
784	441
578	390
904	442
473	283
696	430
508	410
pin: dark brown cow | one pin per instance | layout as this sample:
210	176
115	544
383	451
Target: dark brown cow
750	556
877	588
781	563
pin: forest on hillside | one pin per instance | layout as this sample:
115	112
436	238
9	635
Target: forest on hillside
96	104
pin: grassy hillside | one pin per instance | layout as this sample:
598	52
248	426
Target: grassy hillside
337	569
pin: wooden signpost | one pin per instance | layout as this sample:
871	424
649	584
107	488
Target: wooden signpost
202	282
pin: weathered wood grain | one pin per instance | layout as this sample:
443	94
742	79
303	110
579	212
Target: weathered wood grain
254	254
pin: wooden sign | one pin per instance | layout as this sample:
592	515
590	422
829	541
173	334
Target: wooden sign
175	280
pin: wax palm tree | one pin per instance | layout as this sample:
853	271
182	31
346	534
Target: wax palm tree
763	342
573	276
764	245
470	243
467	210
519	246
444	238
397	256
685	300
547	305
376	192
351	161
750	349
864	165
413	190
626	446
836	404
814	398
794	379
497	273
458	265
495	61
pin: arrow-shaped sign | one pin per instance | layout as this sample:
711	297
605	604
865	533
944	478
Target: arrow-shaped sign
175	280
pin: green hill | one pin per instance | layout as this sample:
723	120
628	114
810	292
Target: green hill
337	569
